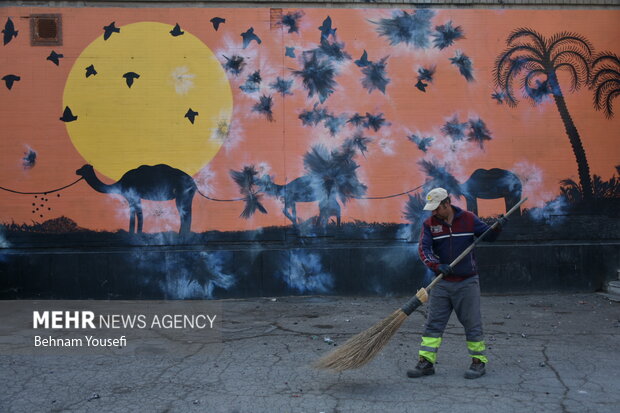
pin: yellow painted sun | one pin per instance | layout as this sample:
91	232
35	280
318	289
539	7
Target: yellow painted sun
120	127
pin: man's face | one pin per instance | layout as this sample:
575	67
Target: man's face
442	211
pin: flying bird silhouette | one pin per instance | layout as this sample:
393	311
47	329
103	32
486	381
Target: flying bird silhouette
326	28
109	29
248	36
67	115
55	57
421	85
129	77
176	31
9	79
90	71
290	52
363	61
216	22
191	115
9	31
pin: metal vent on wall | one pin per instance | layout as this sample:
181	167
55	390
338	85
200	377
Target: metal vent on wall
45	30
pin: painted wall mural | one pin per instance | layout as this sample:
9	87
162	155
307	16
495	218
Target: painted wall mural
227	152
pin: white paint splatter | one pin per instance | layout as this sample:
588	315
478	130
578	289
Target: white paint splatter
182	80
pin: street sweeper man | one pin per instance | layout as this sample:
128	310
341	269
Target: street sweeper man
445	235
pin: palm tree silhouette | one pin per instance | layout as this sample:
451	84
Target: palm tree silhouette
534	60
605	81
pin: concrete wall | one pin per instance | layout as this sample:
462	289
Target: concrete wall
368	107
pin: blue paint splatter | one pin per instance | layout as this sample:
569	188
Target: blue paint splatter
334	172
499	96
426	74
446	35
334	123
313	117
282	86
463	62
479	132
440	176
304	273
411	29
356	120
29	159
539	92
454	129
291	20
264	107
374	121
423	143
357	142
234	65
375	76
317	76
332	50
290	52
252	83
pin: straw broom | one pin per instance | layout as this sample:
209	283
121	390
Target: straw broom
362	348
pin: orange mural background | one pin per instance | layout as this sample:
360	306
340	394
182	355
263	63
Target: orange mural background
528	139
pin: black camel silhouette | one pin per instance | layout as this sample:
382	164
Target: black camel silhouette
152	183
302	190
492	184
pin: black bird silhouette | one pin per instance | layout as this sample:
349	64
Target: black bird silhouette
109	29
216	22
363	61
290	52
129	77
90	70
249	36
9	79
176	31
67	115
421	85
55	57
191	115
326	28
9	31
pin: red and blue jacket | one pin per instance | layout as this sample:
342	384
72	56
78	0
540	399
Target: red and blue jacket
441	243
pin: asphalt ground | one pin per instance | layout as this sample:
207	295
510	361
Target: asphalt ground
548	353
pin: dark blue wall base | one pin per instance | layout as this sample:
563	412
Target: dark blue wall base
272	269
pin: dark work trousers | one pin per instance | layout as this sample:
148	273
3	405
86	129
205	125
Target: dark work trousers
461	296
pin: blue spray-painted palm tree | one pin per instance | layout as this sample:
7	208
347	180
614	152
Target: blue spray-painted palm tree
264	107
357	142
464	64
282	86
535	60
246	179
605	81
234	64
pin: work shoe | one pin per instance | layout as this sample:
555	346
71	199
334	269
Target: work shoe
423	368
476	369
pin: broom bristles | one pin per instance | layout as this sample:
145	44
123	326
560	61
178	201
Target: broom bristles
362	348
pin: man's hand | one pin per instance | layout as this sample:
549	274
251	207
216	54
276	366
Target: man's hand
445	269
422	295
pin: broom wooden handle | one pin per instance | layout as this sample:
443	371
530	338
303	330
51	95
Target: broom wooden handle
415	302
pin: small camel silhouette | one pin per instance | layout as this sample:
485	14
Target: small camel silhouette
302	190
492	184
152	183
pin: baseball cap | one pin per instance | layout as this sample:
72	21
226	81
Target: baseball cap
434	198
